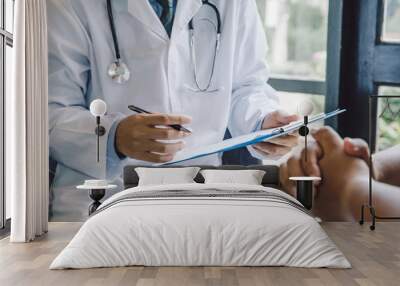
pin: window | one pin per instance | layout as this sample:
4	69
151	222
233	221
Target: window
388	117
388	107
391	23
377	67
6	43
296	31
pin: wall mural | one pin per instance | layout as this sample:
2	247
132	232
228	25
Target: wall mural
160	82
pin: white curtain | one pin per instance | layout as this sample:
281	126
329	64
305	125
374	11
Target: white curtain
27	124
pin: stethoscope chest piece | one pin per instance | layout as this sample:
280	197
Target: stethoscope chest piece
119	72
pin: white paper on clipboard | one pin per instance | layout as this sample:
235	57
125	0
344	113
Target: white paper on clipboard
245	140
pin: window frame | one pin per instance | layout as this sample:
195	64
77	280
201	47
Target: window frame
358	62
6	39
370	62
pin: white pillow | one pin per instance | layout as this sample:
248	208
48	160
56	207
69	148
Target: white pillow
248	177
166	176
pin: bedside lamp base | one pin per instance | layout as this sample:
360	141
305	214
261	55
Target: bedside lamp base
96	195
305	189
97	190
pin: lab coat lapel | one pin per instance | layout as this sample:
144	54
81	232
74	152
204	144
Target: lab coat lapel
185	11
142	10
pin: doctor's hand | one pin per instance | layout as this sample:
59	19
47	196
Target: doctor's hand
138	137
282	145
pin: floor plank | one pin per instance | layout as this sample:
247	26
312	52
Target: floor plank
375	257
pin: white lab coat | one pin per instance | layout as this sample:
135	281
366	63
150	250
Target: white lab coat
81	50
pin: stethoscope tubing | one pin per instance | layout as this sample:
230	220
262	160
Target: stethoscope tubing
194	61
119	63
113	30
217	14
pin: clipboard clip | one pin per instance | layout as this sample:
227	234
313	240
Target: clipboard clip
279	130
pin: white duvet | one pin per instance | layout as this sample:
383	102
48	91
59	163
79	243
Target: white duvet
200	231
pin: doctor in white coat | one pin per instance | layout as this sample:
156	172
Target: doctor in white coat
161	80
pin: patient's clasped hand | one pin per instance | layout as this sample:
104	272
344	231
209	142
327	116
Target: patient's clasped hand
343	166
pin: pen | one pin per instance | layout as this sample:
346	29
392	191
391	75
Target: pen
174	126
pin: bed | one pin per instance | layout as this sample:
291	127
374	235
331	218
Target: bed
199	224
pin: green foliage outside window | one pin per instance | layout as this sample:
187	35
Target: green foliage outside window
389	119
307	36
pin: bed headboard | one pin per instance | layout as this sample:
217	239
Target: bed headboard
271	178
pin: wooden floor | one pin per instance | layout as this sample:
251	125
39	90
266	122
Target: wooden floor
375	257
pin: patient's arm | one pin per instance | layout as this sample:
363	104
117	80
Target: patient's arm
386	198
345	187
345	183
387	163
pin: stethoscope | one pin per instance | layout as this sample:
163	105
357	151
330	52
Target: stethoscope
120	73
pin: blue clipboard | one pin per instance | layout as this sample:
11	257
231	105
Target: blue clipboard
246	140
